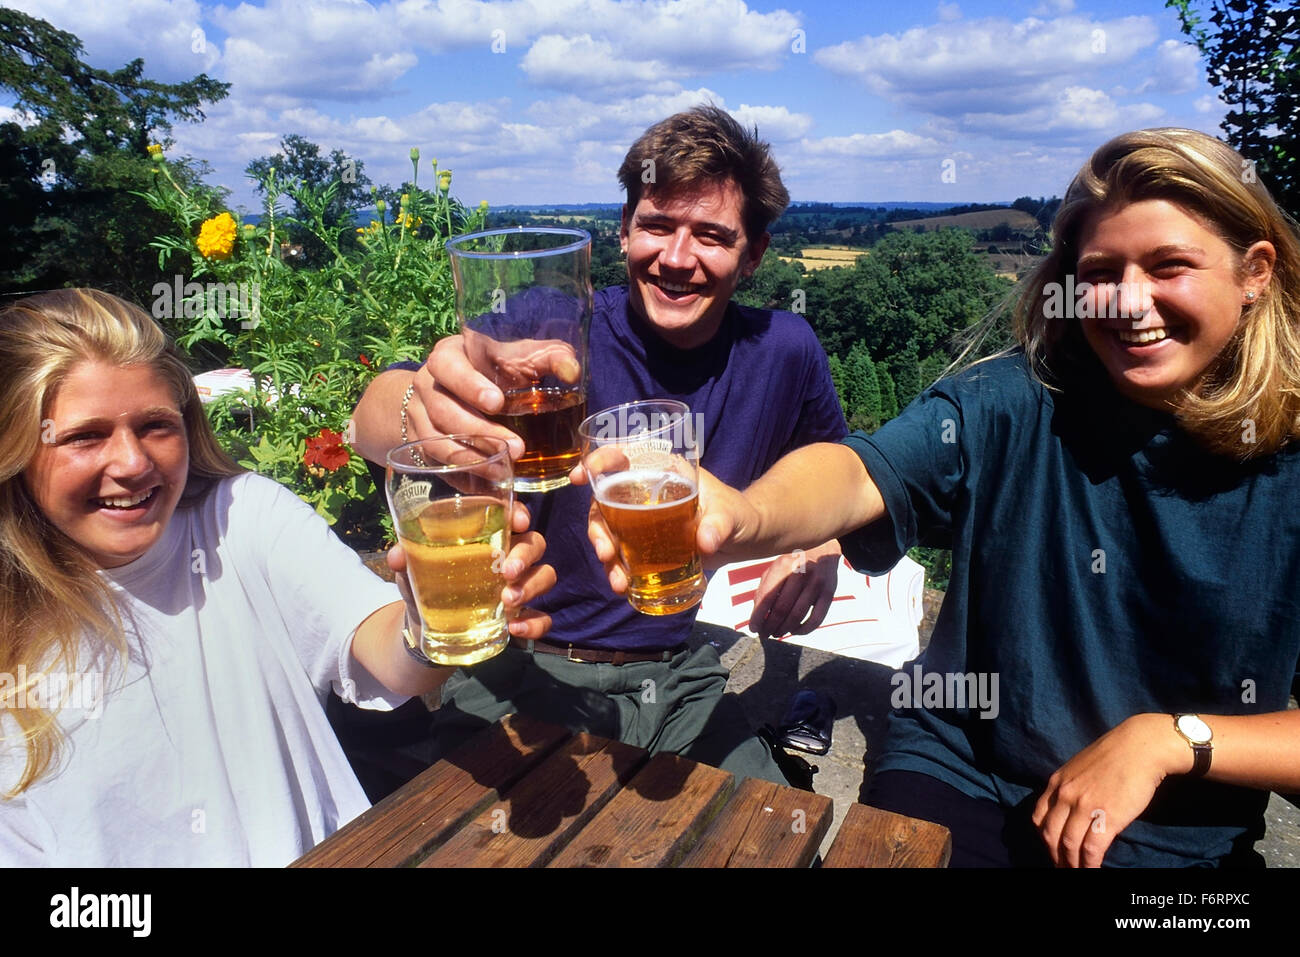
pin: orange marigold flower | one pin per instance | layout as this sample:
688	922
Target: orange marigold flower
217	236
326	451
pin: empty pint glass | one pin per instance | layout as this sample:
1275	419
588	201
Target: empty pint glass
451	498
524	301
643	462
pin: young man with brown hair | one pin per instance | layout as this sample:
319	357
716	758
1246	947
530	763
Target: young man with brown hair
701	192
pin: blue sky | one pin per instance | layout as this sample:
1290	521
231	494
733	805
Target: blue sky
535	101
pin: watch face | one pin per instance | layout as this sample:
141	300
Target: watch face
1196	730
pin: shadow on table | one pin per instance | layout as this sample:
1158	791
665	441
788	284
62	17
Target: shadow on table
860	689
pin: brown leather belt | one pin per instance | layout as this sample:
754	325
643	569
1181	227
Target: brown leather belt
595	655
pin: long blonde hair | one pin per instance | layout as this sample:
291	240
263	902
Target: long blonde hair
1257	375
50	594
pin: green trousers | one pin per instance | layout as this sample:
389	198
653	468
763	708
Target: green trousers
676	706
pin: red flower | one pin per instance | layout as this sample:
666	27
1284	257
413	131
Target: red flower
326	451
364	361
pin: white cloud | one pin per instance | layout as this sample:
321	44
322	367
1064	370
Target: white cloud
23	118
1053	7
1010	78
775	124
896	144
581	63
311	48
948	11
985	54
1075	112
1210	104
160	31
1178	67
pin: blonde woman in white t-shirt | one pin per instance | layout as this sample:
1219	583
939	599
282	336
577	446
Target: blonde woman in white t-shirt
169	624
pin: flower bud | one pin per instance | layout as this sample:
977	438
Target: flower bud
415	154
444	180
380	205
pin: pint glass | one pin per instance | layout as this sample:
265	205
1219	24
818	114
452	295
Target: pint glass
643	462
524	300
451	498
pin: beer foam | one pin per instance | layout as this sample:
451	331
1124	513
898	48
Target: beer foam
650	478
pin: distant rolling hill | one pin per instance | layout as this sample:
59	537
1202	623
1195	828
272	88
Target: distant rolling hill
985	219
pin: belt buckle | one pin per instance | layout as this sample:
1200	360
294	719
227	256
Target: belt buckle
569	655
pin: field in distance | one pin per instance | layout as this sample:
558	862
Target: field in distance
825	257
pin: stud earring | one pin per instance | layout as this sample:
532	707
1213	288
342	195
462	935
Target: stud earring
1250	295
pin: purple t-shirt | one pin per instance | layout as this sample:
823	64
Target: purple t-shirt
762	386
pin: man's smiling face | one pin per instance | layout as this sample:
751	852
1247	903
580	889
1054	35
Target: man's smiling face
686	253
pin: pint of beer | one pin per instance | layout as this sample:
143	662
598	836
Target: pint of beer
451	499
524	300
643	462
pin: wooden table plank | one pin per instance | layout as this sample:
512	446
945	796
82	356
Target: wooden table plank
870	837
542	812
429	808
654	819
764	825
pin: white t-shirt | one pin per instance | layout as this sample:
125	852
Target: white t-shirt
210	745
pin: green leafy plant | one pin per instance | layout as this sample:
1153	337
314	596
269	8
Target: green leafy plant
312	338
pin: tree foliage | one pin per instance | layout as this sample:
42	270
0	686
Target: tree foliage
911	292
71	165
1252	53
336	182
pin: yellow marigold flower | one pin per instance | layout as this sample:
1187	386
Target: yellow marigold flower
217	236
155	152
444	180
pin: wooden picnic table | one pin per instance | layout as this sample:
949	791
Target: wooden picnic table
524	793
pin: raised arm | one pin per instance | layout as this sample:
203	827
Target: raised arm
450	396
813	494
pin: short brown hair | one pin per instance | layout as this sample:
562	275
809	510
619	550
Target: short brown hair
701	145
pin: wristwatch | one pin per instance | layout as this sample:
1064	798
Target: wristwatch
1198	734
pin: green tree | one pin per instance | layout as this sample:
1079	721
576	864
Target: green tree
888	395
920	287
863	388
337	183
71	169
1252	53
906	370
772	285
840	381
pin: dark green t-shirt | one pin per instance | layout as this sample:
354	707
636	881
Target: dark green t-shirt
1103	566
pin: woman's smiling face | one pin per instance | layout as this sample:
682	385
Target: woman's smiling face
113	460
1166	293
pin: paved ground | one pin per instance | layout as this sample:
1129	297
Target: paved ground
766	674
